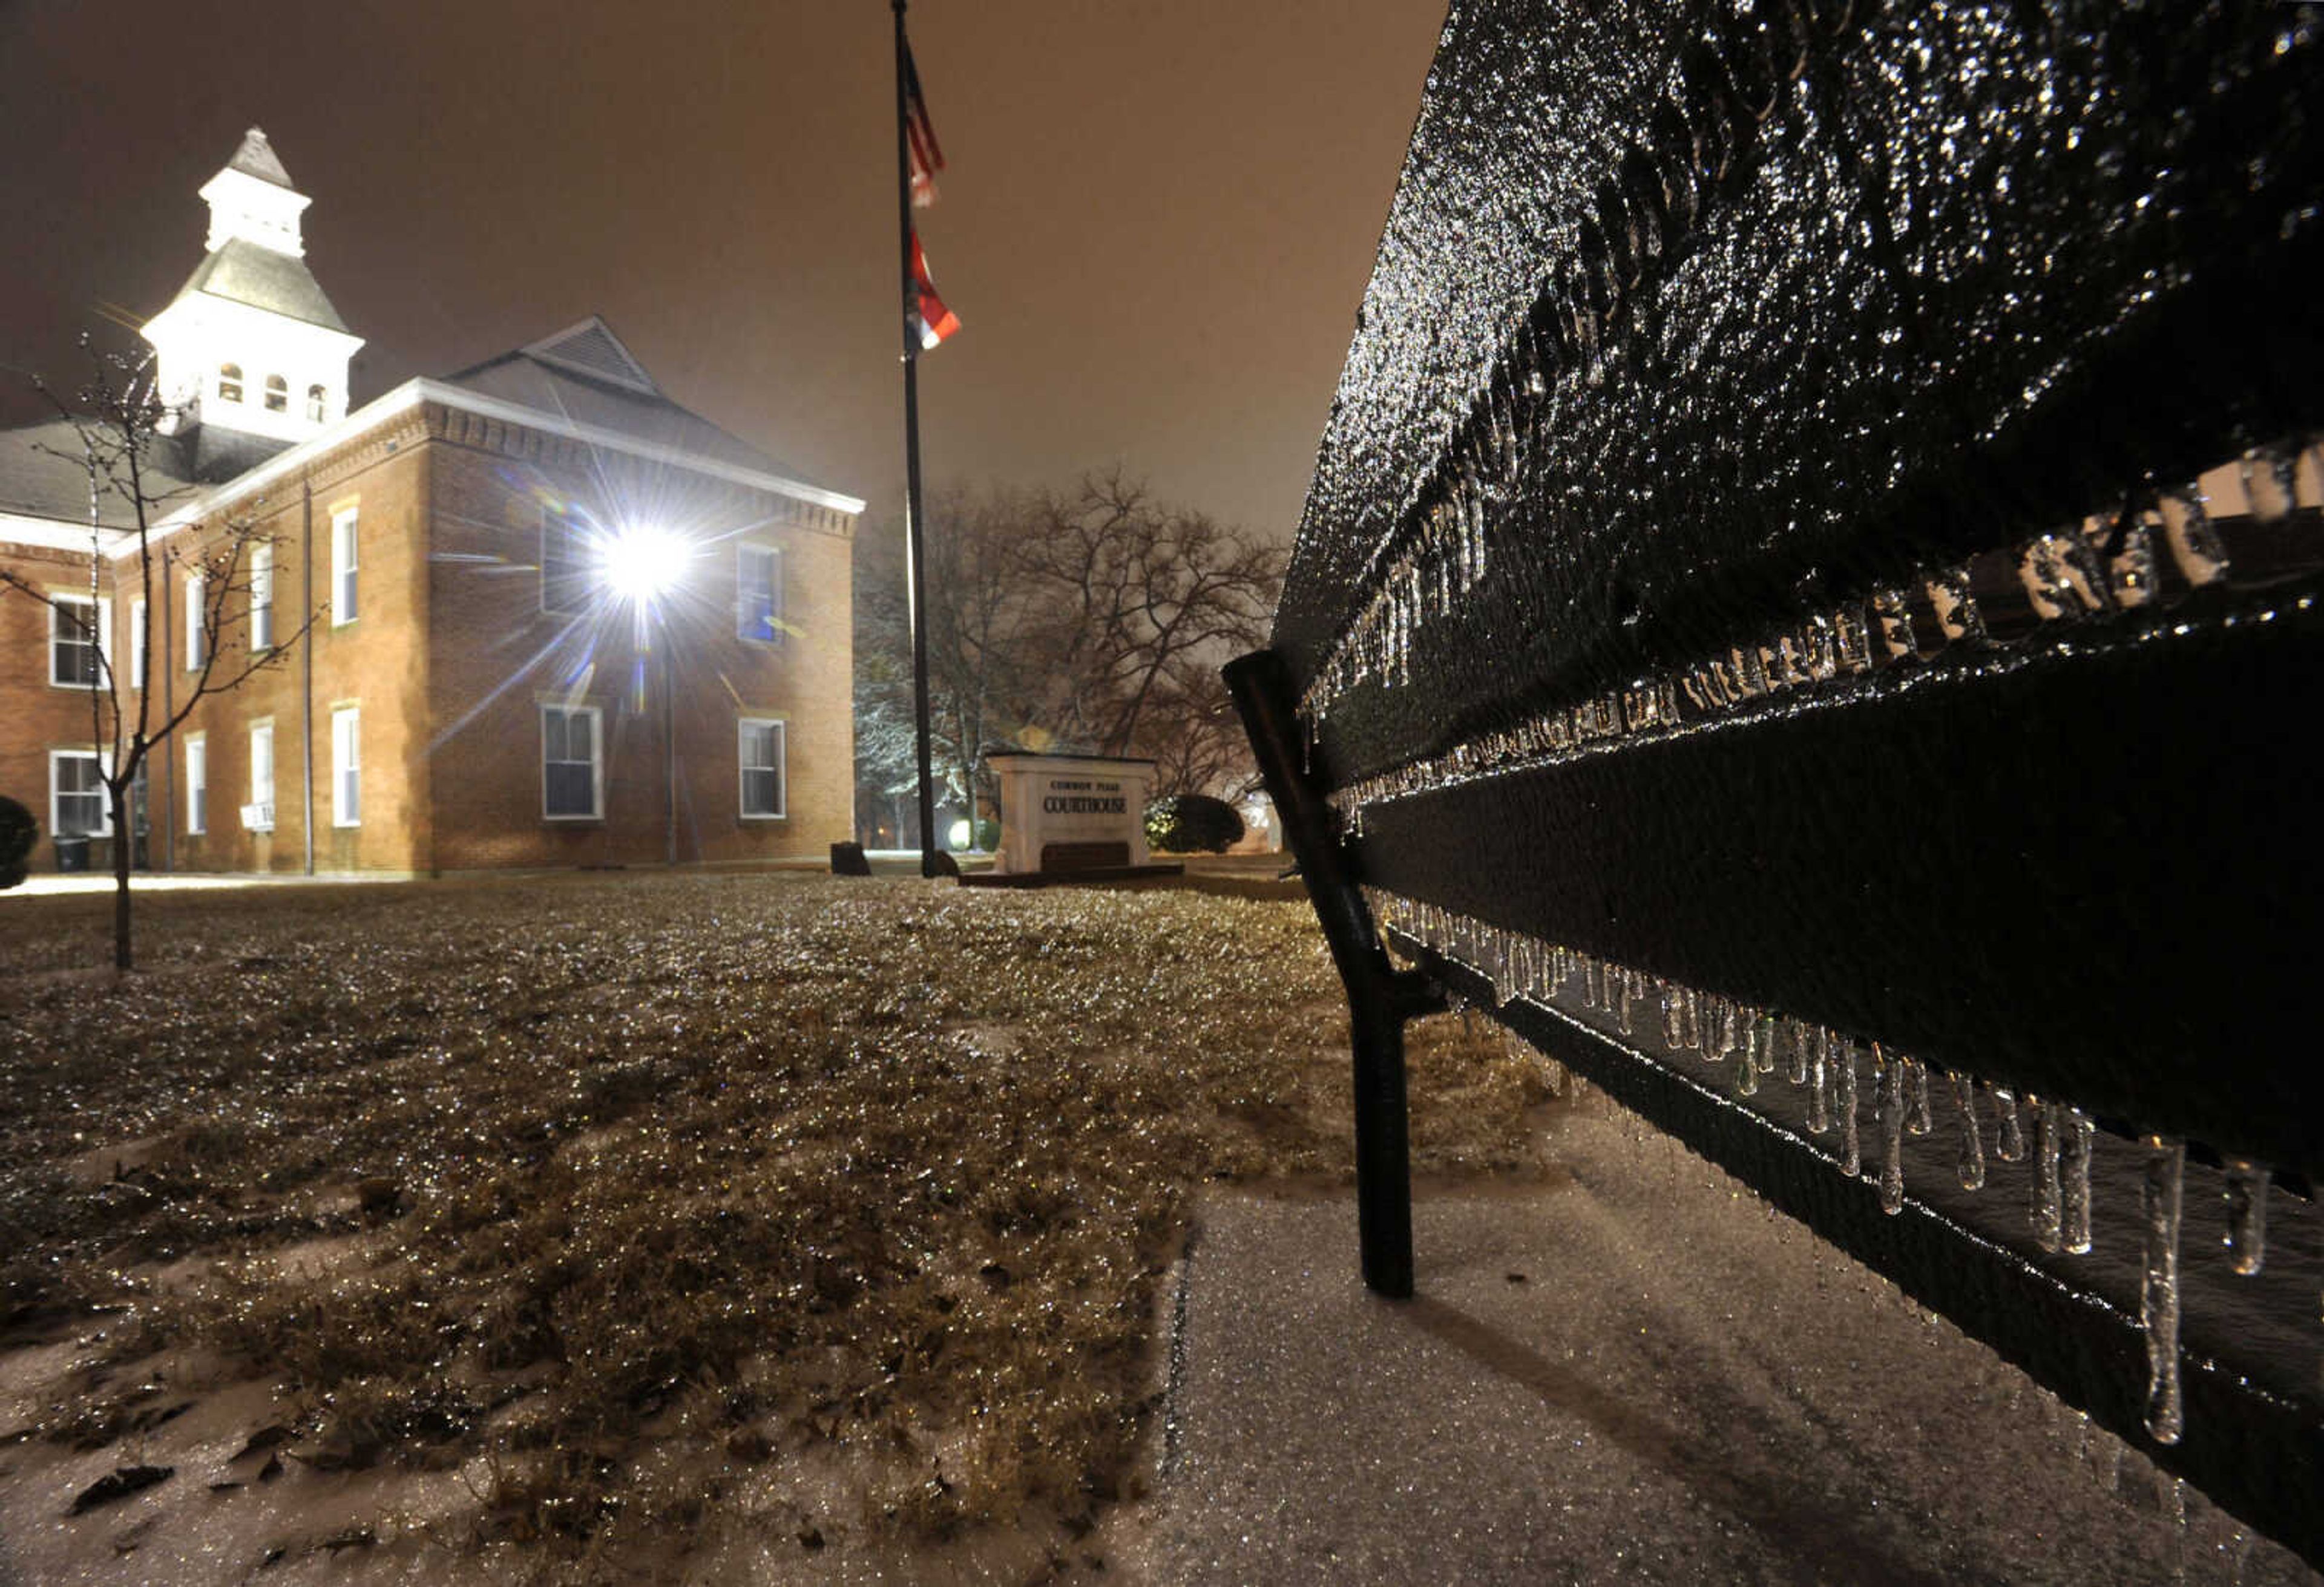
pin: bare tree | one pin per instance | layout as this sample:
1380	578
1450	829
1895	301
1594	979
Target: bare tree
120	424
1092	621
1129	598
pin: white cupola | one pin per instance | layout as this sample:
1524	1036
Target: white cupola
249	344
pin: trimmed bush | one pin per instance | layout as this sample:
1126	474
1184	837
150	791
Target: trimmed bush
17	832
1192	823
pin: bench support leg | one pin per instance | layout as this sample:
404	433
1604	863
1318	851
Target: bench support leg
1380	997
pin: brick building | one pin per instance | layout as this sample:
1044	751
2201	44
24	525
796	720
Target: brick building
480	683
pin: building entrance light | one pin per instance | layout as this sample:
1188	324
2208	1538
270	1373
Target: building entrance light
639	563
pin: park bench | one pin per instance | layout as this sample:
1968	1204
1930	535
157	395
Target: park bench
1807	612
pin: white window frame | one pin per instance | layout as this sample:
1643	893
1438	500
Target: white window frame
262	597
278	394
743	551
137	643
197	625
347	765
317	402
261	789
197	784
56	795
97	627
229	382
347	565
781	768
596	811
570	578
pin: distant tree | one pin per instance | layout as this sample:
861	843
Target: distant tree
120	424
1131	599
1091	620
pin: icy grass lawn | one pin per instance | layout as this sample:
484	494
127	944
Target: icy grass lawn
594	1219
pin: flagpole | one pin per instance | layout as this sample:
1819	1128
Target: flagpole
915	558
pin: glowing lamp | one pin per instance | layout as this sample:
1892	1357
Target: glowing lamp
639	563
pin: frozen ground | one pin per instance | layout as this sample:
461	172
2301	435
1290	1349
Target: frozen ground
1629	1374
767	1229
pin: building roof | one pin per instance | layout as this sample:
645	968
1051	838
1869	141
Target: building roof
256	157
241	271
584	374
41	476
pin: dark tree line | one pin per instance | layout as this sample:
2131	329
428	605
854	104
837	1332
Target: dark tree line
1086	621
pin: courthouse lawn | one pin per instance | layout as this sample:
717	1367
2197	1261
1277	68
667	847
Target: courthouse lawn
656	1210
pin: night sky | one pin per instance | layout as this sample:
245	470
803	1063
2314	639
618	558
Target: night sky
1156	223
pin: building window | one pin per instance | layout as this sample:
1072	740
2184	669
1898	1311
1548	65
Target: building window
758	593
343	566
77	801
315	403
346	766
137	643
278	394
260	816
564	565
761	746
262	597
230	383
572	767
198	630
197	784
76	640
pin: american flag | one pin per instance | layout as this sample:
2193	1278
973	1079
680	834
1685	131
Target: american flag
920	133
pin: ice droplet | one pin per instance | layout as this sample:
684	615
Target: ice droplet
1972	1153
2046	1211
1851	1149
2158	1300
1891	1069
2074	1155
2009	1145
2248	1184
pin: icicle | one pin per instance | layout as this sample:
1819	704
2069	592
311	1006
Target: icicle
1972	1153
1920	1121
1820	1082
1747	1058
2247	1185
1851	1150
2009	1145
2046	1211
2074	1147
2158	1307
1798	1031
1674	1021
1891	1069
1763	1026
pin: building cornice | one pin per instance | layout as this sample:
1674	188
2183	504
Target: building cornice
53	533
401	402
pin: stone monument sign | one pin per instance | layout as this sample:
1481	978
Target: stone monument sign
1071	813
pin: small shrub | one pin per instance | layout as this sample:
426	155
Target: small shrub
1192	823
17	830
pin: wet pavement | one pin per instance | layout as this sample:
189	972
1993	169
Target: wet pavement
1629	1373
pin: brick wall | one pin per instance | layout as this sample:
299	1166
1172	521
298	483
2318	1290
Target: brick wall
449	659
496	659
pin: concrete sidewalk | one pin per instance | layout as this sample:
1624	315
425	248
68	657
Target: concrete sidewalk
1632	1374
